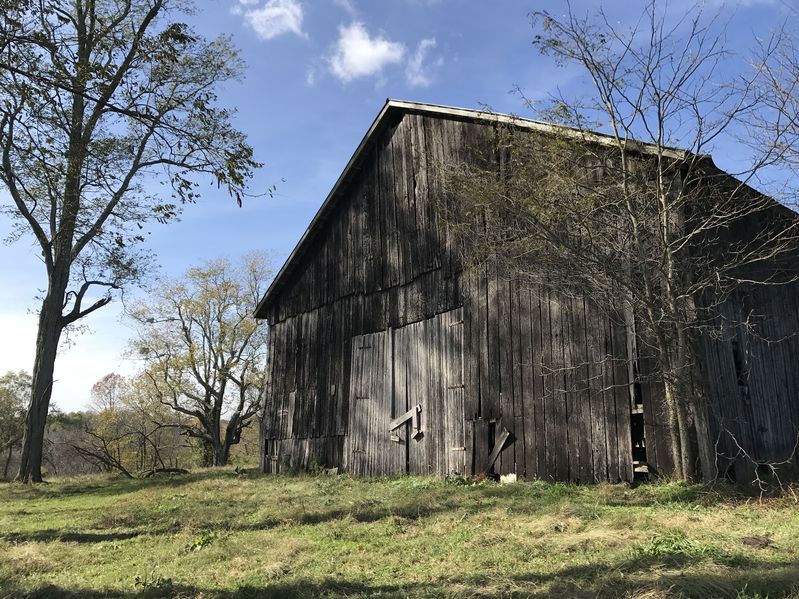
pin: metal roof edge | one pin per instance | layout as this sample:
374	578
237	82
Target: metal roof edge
543	127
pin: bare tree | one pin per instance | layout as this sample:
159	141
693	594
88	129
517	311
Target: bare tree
160	446
105	444
643	229
128	430
203	351
97	97
63	431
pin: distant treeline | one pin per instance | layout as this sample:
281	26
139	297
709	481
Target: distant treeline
120	440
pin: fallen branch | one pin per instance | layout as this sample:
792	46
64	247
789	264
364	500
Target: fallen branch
151	473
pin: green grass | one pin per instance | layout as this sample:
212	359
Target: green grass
222	534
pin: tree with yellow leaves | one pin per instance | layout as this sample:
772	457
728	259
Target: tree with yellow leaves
203	351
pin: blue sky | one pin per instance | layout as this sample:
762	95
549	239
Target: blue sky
317	74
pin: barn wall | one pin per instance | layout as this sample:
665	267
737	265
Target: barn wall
384	239
381	260
751	376
552	371
750	364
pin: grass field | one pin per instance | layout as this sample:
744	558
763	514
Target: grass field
224	534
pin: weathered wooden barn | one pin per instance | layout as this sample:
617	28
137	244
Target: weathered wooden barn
386	357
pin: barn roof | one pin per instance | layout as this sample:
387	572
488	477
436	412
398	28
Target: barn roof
387	115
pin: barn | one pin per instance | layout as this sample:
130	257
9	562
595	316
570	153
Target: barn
387	357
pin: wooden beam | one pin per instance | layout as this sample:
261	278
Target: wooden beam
400	420
498	446
418	434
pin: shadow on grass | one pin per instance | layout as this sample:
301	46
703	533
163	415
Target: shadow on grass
668	576
48	536
113	486
626	578
421	501
525	499
408	511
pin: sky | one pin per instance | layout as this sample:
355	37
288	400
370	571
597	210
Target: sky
317	74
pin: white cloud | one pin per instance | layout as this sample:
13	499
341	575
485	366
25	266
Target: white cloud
347	5
419	71
357	54
273	18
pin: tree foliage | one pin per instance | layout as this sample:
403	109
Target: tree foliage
658	237
100	99
204	352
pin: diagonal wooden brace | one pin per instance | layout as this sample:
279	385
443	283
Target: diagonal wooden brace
414	413
499	445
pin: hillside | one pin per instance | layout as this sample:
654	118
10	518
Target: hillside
222	534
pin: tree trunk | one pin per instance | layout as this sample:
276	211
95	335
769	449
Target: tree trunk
222	454
685	401
687	441
706	448
8	460
673	424
50	327
51	319
207	453
687	423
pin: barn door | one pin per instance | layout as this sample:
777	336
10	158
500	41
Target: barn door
406	400
371	449
428	373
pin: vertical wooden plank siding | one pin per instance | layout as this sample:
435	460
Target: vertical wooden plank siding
479	353
526	403
538	325
491	400
504	341
750	377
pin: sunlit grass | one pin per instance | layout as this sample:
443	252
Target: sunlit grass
221	533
